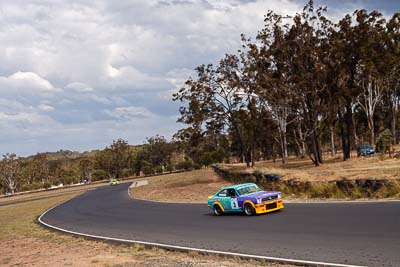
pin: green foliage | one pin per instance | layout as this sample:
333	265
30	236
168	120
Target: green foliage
33	186
184	165
98	175
146	167
10	173
115	158
384	141
156	156
158	169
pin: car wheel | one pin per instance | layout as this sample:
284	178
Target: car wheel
248	209
217	210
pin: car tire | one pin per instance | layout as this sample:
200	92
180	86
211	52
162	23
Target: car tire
217	210
248	209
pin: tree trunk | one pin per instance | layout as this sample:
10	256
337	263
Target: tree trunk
332	132
314	147
394	130
315	151
319	149
354	132
349	125
247	158
372	130
302	141
253	162
266	153
273	153
284	147
299	148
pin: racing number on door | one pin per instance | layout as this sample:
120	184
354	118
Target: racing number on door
234	203
233	198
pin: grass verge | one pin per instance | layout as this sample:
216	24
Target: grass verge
333	168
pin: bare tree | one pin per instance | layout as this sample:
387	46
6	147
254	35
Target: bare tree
9	170
86	170
370	97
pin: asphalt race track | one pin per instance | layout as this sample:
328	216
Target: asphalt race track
366	234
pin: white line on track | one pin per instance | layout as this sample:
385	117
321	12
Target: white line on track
190	249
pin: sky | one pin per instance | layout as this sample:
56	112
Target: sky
77	74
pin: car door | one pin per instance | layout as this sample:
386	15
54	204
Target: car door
224	199
233	199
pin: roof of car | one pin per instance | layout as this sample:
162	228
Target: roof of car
238	186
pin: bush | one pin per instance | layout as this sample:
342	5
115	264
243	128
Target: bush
147	170
127	172
146	167
47	185
185	165
384	141
169	168
68	180
32	186
197	166
98	175
207	159
158	169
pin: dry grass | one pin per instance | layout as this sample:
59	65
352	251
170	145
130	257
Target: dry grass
192	186
46	194
40	194
332	169
24	243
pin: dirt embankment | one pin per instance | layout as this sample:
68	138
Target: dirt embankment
333	168
363	188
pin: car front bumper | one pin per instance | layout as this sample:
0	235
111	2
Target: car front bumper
269	206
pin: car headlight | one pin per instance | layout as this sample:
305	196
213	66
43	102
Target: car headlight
279	196
259	200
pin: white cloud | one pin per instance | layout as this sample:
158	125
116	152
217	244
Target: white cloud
26	81
127	113
79	87
45	107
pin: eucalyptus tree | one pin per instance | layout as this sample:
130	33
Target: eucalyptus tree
215	101
253	105
86	170
392	81
307	39
371	68
9	172
343	43
114	159
295	81
274	80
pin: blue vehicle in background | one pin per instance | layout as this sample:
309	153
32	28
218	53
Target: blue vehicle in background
365	150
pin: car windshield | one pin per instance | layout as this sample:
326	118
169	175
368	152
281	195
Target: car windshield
249	190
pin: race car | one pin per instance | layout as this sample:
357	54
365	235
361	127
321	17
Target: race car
114	182
247	198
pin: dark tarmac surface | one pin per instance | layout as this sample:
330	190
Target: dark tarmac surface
346	233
